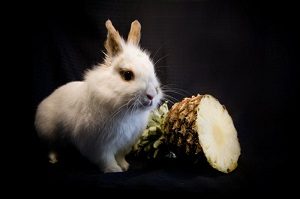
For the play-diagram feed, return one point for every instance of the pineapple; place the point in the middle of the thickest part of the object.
(152, 139)
(195, 126)
(202, 124)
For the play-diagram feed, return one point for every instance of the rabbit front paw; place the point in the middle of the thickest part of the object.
(112, 169)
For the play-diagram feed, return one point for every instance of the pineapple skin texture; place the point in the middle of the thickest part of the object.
(180, 126)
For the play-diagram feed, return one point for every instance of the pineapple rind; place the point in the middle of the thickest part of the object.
(180, 126)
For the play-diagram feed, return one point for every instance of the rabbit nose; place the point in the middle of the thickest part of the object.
(150, 93)
(150, 97)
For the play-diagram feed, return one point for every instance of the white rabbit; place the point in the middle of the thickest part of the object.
(105, 114)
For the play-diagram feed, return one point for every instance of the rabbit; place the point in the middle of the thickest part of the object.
(104, 115)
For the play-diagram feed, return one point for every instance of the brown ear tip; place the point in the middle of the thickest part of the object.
(136, 23)
(108, 23)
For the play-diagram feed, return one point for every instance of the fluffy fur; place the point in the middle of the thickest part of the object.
(104, 114)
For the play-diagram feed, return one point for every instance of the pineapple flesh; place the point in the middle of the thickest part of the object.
(217, 135)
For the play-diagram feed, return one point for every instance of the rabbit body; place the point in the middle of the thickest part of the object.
(104, 114)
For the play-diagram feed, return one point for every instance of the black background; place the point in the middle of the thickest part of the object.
(241, 52)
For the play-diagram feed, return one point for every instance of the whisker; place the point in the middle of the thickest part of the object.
(134, 104)
(170, 98)
(134, 107)
(112, 116)
(157, 51)
(171, 89)
(163, 57)
(107, 122)
(171, 93)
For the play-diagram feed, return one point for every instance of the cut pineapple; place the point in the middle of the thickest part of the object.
(195, 126)
(217, 135)
(201, 124)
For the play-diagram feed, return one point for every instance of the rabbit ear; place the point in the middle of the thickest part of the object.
(113, 41)
(134, 35)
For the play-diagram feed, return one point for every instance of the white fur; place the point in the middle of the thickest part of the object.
(104, 114)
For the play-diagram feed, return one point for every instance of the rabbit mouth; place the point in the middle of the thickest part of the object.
(145, 103)
(141, 102)
(148, 103)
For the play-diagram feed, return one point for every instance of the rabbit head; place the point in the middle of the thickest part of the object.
(127, 77)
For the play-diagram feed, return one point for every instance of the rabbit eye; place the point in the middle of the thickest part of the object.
(127, 75)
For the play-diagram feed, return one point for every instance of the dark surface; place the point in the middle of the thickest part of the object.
(241, 52)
